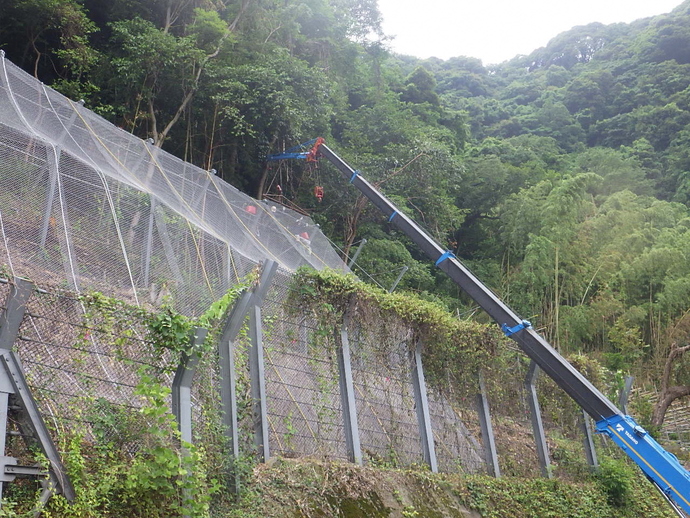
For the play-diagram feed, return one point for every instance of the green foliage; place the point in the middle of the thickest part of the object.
(164, 478)
(130, 461)
(447, 340)
(170, 329)
(616, 479)
(289, 488)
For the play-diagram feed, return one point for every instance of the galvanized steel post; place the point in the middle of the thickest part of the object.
(347, 393)
(256, 363)
(625, 394)
(491, 455)
(25, 412)
(426, 433)
(535, 415)
(182, 385)
(590, 451)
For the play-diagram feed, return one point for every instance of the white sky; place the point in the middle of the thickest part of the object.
(498, 30)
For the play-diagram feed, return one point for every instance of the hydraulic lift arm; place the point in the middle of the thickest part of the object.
(660, 466)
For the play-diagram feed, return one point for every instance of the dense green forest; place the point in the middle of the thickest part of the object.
(562, 178)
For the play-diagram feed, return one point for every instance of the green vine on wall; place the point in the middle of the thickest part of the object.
(448, 342)
(126, 461)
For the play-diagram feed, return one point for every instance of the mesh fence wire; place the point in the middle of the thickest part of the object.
(389, 432)
(83, 371)
(458, 449)
(84, 366)
(305, 413)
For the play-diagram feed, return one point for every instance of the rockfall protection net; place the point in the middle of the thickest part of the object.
(86, 203)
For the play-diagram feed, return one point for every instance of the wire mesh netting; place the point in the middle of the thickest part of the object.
(304, 407)
(389, 432)
(83, 369)
(87, 206)
(86, 203)
(457, 448)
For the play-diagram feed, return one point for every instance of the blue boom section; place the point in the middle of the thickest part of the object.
(659, 465)
(300, 151)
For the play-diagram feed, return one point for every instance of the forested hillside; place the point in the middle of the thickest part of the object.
(562, 178)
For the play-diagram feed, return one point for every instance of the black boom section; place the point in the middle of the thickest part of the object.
(551, 362)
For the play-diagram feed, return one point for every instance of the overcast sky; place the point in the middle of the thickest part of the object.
(498, 30)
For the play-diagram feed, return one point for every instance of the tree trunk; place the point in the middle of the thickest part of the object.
(352, 223)
(665, 400)
(669, 393)
(264, 172)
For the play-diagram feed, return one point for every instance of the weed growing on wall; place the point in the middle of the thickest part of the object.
(448, 342)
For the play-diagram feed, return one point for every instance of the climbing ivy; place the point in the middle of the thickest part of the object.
(130, 460)
(447, 341)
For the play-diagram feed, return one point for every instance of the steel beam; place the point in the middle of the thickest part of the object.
(31, 424)
(182, 385)
(50, 197)
(258, 384)
(590, 450)
(256, 363)
(15, 308)
(535, 346)
(537, 424)
(398, 279)
(625, 394)
(426, 433)
(16, 392)
(490, 452)
(228, 378)
(357, 252)
(148, 246)
(347, 393)
(226, 353)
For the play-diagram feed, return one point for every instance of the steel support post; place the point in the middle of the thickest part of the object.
(357, 252)
(347, 393)
(182, 385)
(256, 363)
(258, 384)
(226, 354)
(68, 257)
(53, 167)
(625, 394)
(16, 393)
(10, 322)
(399, 278)
(490, 453)
(228, 381)
(162, 228)
(50, 197)
(148, 247)
(535, 415)
(228, 267)
(590, 451)
(182, 393)
(15, 308)
(421, 401)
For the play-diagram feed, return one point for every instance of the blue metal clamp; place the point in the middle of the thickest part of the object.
(512, 330)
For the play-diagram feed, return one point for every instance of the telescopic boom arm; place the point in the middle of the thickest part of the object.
(660, 466)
